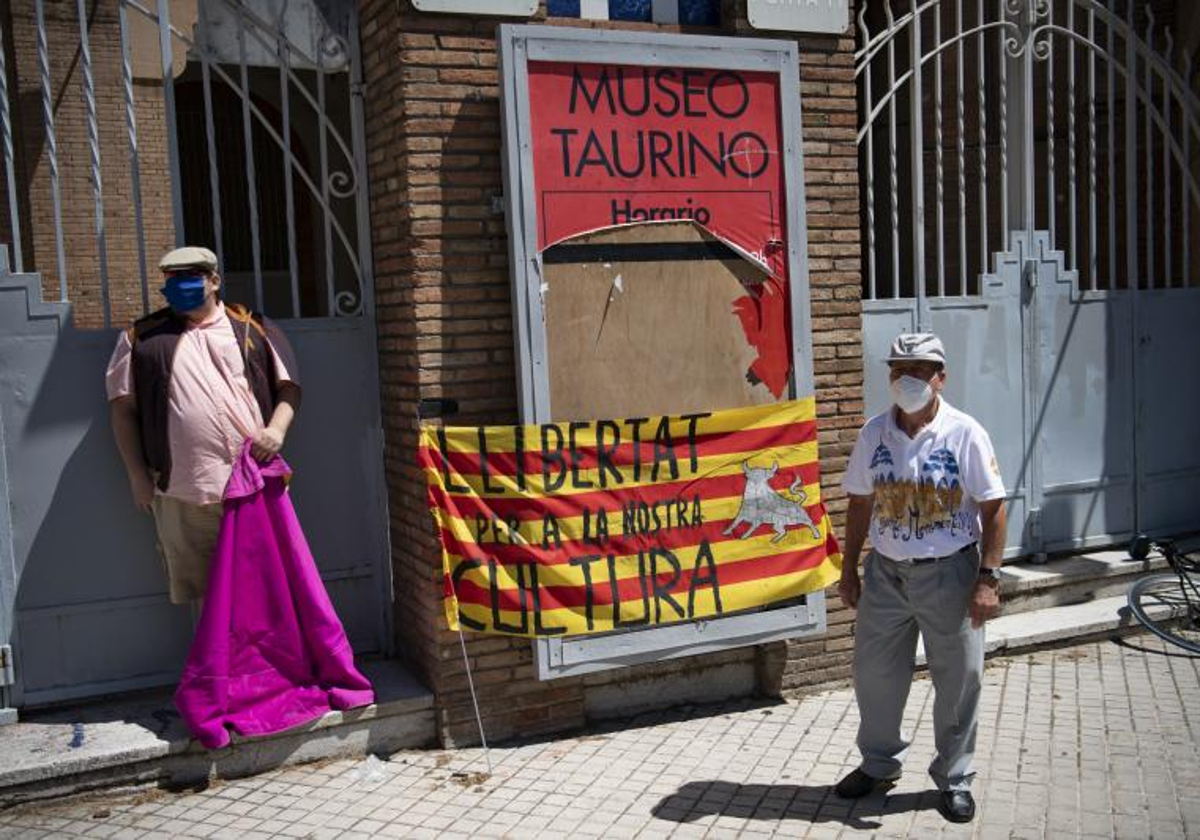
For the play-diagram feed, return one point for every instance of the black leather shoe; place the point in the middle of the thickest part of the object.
(958, 806)
(857, 785)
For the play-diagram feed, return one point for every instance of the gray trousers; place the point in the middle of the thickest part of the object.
(897, 600)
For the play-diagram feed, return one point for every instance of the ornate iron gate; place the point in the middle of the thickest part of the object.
(235, 124)
(1030, 193)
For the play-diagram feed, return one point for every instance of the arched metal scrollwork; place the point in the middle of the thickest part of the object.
(1106, 85)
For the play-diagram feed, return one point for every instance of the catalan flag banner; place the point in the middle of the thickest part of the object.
(587, 527)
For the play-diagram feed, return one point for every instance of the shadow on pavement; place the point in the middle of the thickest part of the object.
(1156, 646)
(813, 803)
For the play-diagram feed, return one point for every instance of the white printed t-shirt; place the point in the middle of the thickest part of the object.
(927, 489)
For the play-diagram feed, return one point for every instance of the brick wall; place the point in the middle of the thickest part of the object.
(75, 161)
(445, 325)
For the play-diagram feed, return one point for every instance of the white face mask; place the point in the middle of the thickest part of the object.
(910, 394)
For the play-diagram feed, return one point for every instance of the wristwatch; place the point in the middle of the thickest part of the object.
(989, 574)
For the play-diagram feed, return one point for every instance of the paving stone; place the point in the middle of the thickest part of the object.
(1090, 741)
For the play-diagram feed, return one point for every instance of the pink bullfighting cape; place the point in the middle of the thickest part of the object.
(270, 652)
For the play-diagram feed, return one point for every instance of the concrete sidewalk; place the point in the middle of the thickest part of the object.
(1099, 740)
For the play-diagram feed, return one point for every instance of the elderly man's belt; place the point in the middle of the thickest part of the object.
(924, 561)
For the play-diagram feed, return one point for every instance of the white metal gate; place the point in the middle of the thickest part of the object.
(1029, 192)
(239, 127)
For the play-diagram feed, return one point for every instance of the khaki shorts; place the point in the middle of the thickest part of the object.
(187, 537)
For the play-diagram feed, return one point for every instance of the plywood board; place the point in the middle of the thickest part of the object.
(644, 331)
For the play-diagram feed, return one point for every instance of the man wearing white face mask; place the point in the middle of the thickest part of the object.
(924, 483)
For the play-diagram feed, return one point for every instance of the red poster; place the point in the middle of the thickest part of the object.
(623, 144)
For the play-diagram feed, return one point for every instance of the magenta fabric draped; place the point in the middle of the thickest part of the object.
(269, 652)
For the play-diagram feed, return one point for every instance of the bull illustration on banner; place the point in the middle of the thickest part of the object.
(762, 505)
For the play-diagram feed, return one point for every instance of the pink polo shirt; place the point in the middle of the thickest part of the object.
(211, 409)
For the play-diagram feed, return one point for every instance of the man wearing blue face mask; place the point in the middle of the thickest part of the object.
(187, 386)
(923, 482)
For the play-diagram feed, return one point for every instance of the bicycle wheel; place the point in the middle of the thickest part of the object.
(1163, 607)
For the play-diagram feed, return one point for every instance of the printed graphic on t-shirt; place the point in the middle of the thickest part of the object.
(911, 510)
(881, 455)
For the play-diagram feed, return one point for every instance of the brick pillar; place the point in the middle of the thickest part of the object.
(445, 328)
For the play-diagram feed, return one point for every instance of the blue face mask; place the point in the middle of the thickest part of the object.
(184, 292)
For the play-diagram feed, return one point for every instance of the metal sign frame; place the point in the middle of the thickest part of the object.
(520, 44)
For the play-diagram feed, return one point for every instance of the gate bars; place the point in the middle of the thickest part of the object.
(1127, 134)
(337, 187)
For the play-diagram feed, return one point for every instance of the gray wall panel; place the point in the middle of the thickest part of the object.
(1084, 431)
(336, 448)
(1170, 505)
(1168, 358)
(1087, 422)
(77, 537)
(91, 613)
(352, 598)
(64, 654)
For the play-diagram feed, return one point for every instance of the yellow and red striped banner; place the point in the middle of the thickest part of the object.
(586, 527)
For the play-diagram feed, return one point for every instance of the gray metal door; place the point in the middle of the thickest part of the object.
(248, 141)
(1029, 193)
(1168, 455)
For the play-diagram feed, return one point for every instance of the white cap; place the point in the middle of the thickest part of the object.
(917, 347)
(189, 257)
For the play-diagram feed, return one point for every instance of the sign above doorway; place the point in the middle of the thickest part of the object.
(826, 16)
(497, 8)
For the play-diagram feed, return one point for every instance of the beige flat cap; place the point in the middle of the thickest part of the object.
(188, 257)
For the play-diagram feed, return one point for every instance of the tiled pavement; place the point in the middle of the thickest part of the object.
(1098, 740)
